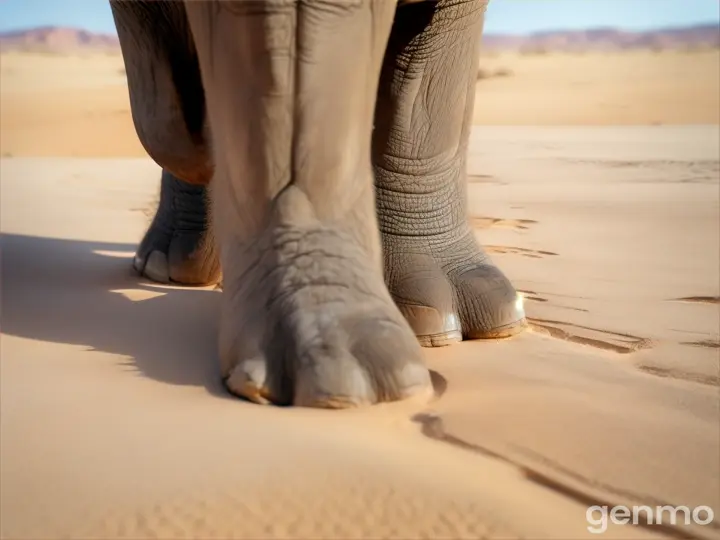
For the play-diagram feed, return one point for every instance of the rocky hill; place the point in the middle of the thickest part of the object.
(63, 40)
(57, 39)
(707, 35)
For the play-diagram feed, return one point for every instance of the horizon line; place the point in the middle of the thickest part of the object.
(489, 32)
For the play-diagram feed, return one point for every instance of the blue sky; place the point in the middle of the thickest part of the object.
(504, 16)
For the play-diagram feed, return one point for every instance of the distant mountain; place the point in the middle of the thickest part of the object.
(57, 39)
(705, 35)
(61, 40)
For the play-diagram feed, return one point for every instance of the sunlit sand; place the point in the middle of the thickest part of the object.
(115, 425)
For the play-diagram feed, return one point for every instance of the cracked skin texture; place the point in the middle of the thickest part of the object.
(316, 153)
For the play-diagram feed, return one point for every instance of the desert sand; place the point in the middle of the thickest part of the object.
(114, 424)
(78, 106)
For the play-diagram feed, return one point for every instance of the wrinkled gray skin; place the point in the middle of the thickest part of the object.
(335, 134)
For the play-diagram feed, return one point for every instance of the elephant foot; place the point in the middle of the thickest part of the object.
(449, 290)
(308, 321)
(178, 248)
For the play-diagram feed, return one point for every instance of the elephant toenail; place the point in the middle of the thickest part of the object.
(247, 380)
(156, 267)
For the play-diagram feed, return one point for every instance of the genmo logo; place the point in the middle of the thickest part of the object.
(599, 517)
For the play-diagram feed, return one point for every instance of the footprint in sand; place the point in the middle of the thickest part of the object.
(586, 335)
(604, 339)
(484, 179)
(701, 378)
(698, 299)
(524, 252)
(488, 222)
(707, 343)
(535, 297)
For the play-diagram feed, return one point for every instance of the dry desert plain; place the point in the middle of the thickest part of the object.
(593, 182)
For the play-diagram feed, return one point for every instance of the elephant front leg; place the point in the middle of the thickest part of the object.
(168, 108)
(439, 276)
(178, 247)
(306, 317)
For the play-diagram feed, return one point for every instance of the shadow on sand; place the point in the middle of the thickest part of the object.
(71, 291)
(62, 291)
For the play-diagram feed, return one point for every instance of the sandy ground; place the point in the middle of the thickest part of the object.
(113, 423)
(79, 106)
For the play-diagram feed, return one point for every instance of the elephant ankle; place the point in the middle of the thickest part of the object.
(430, 205)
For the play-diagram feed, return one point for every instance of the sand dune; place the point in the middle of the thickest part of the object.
(114, 424)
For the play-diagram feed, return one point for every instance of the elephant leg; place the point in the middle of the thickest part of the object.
(306, 317)
(168, 108)
(178, 246)
(437, 273)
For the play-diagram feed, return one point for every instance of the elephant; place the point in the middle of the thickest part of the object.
(313, 156)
